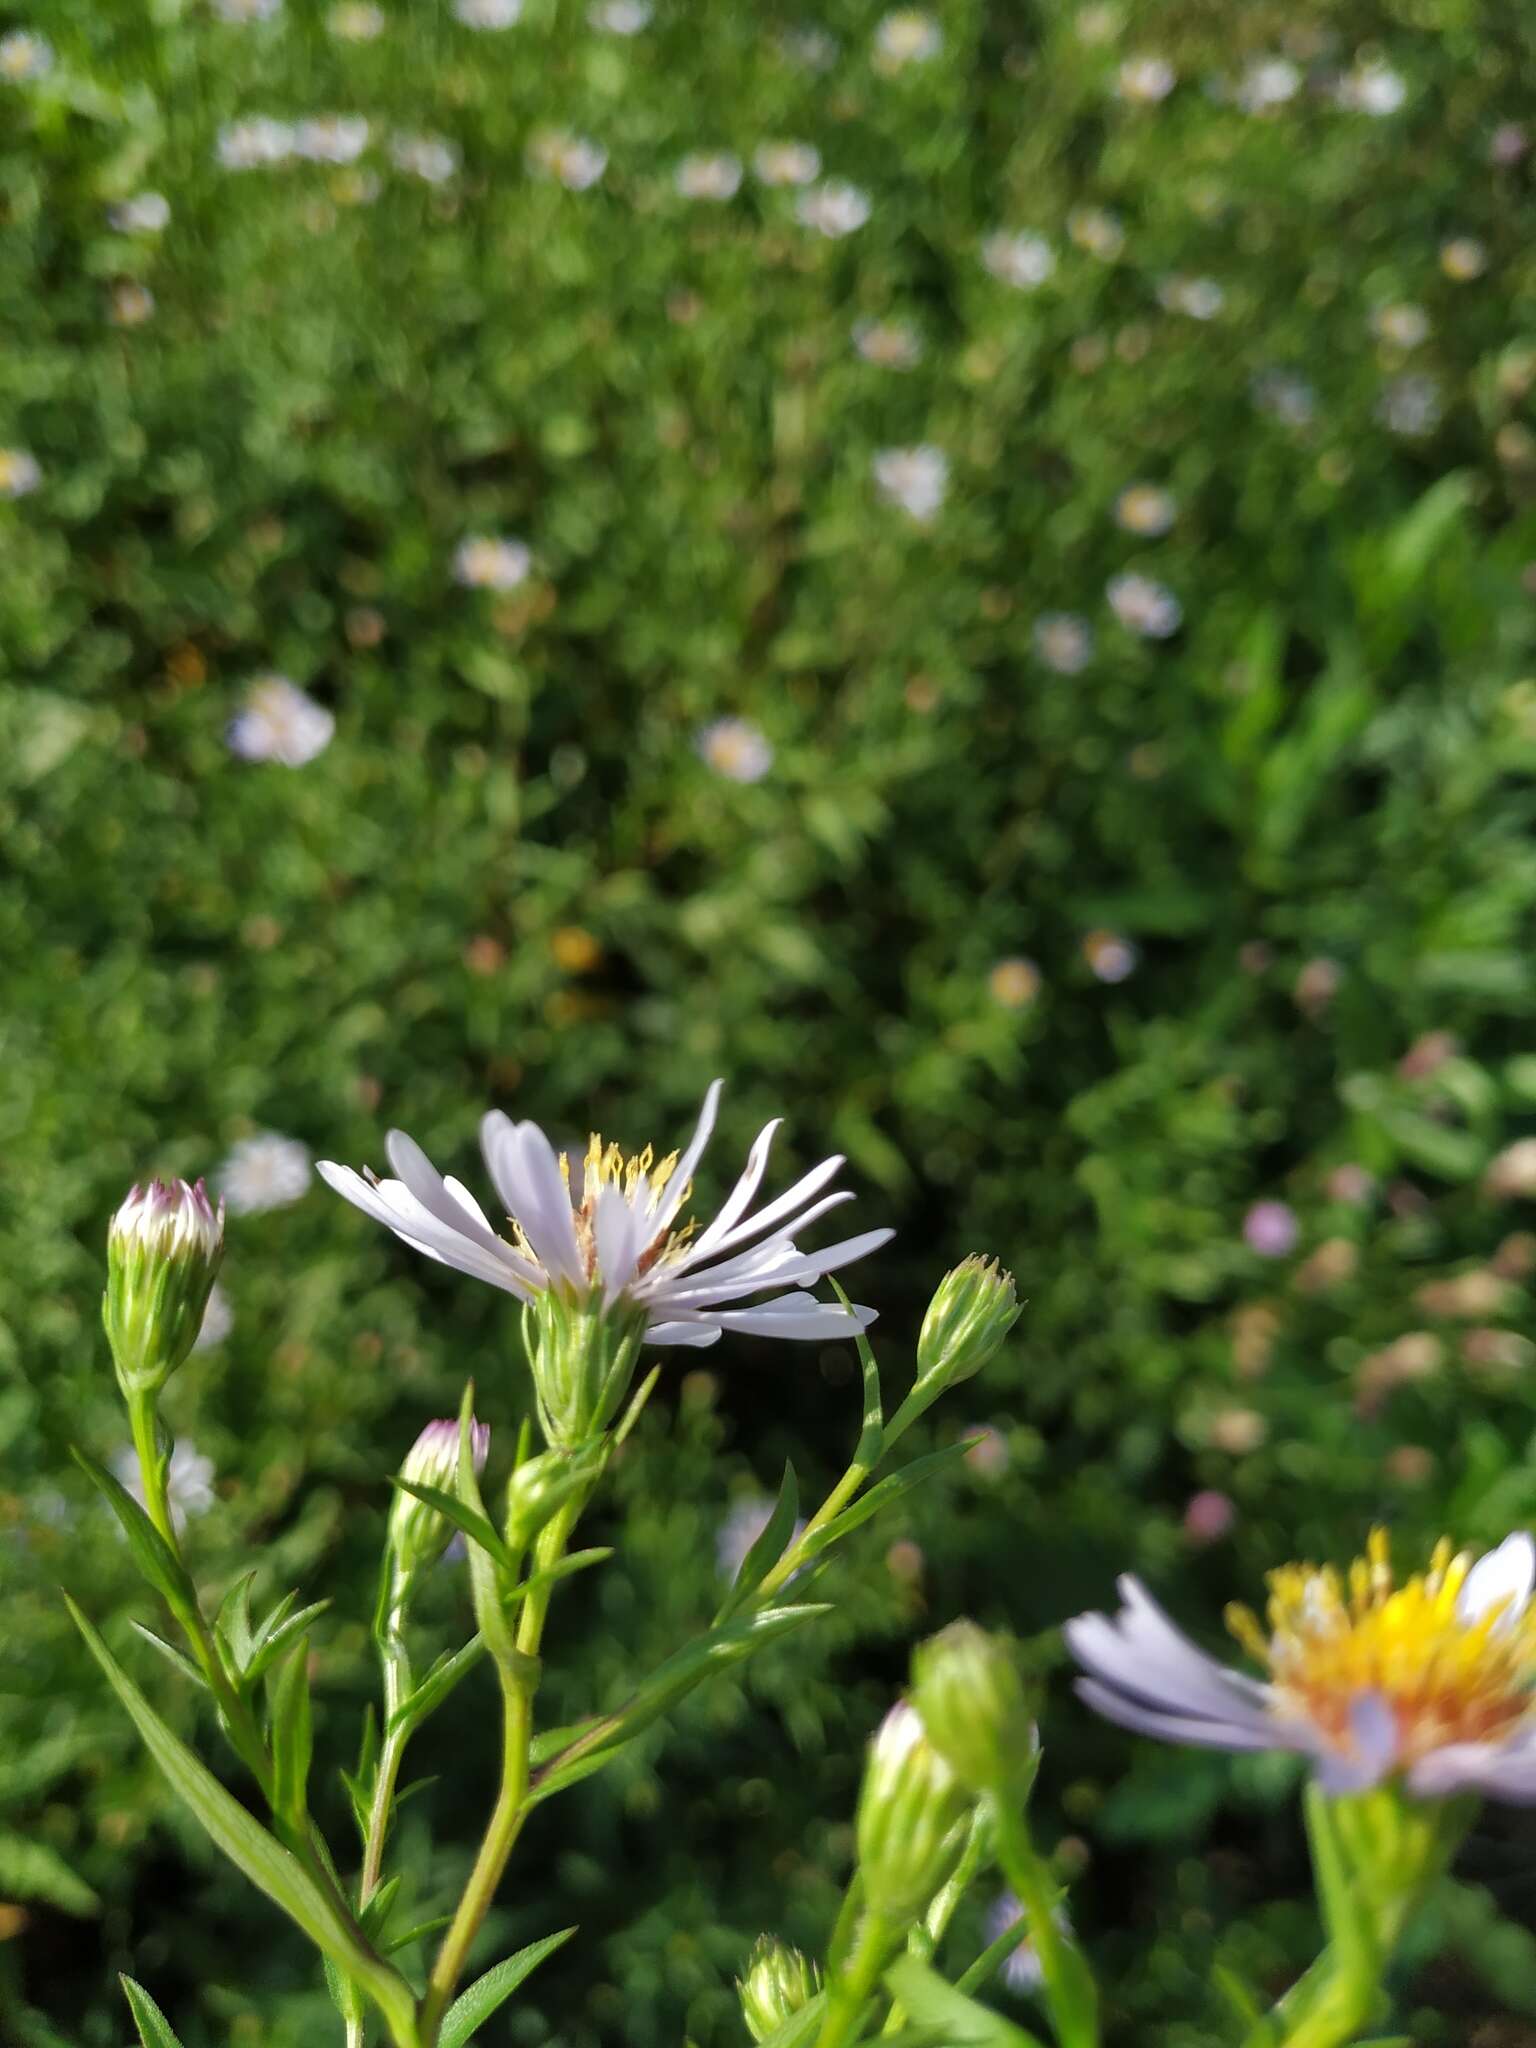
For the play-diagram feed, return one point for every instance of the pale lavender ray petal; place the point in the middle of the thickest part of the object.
(1507, 1574)
(621, 1234)
(695, 1334)
(498, 1143)
(1145, 1720)
(392, 1204)
(547, 1218)
(1146, 1621)
(677, 1187)
(1503, 1770)
(756, 1226)
(426, 1184)
(779, 1243)
(740, 1197)
(1164, 1671)
(1374, 1745)
(798, 1316)
(812, 1265)
(516, 1263)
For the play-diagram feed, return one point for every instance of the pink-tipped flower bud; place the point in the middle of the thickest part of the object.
(164, 1247)
(418, 1533)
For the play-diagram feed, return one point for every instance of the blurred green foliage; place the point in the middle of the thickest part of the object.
(1303, 822)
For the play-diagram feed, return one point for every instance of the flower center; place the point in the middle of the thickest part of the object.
(1447, 1676)
(643, 1179)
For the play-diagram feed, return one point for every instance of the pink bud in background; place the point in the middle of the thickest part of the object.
(1209, 1516)
(1271, 1229)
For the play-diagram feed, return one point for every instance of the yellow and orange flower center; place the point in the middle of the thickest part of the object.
(609, 1166)
(1334, 1636)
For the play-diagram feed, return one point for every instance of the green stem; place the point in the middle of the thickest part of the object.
(1069, 1989)
(851, 1990)
(1326, 2008)
(512, 1807)
(833, 1505)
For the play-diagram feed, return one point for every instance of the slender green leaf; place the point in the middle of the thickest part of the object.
(154, 2028)
(374, 1916)
(419, 1932)
(232, 1624)
(268, 1865)
(171, 1654)
(801, 2027)
(871, 1445)
(268, 1648)
(567, 1567)
(151, 1553)
(636, 1407)
(885, 1493)
(768, 1549)
(474, 2006)
(477, 1528)
(292, 1739)
(436, 1684)
(957, 2021)
(33, 1870)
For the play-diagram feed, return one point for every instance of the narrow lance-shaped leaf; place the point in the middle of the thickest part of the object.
(768, 1548)
(268, 1648)
(268, 1865)
(474, 2007)
(476, 1528)
(871, 1444)
(292, 1740)
(885, 1493)
(435, 1685)
(957, 2021)
(154, 2028)
(151, 1553)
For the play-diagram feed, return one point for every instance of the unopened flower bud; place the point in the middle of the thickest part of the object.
(970, 1315)
(908, 1827)
(164, 1246)
(779, 1983)
(971, 1699)
(582, 1356)
(419, 1534)
(540, 1487)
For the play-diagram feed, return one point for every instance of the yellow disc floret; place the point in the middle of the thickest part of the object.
(644, 1181)
(1448, 1676)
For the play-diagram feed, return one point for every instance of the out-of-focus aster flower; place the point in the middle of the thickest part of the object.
(1356, 1184)
(1145, 80)
(188, 1480)
(1285, 396)
(575, 160)
(1267, 83)
(892, 344)
(619, 17)
(743, 1522)
(424, 156)
(24, 56)
(267, 1171)
(242, 12)
(1063, 641)
(906, 37)
(280, 722)
(833, 208)
(19, 473)
(1463, 258)
(1020, 260)
(1021, 1972)
(488, 14)
(1410, 406)
(1400, 326)
(1199, 298)
(356, 21)
(491, 562)
(786, 163)
(1372, 88)
(809, 47)
(989, 1456)
(1271, 1229)
(1111, 956)
(916, 479)
(617, 1233)
(1144, 606)
(1507, 144)
(331, 138)
(1209, 1516)
(709, 176)
(1014, 983)
(131, 304)
(1100, 22)
(1429, 1682)
(146, 213)
(252, 144)
(218, 1320)
(1145, 509)
(736, 749)
(1097, 231)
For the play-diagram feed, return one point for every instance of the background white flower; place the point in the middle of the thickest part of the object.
(242, 11)
(424, 156)
(356, 21)
(267, 1171)
(1144, 605)
(488, 14)
(251, 145)
(331, 138)
(1372, 88)
(1022, 260)
(24, 55)
(619, 17)
(188, 1480)
(146, 213)
(736, 749)
(19, 473)
(280, 722)
(491, 562)
(786, 163)
(891, 343)
(1146, 80)
(1063, 641)
(916, 479)
(906, 37)
(702, 176)
(575, 160)
(834, 208)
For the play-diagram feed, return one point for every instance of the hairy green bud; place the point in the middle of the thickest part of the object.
(779, 1983)
(582, 1355)
(164, 1248)
(910, 1822)
(969, 1693)
(541, 1486)
(418, 1534)
(971, 1313)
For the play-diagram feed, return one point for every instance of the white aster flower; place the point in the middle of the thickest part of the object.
(1063, 641)
(331, 138)
(488, 14)
(1463, 258)
(424, 156)
(1268, 82)
(1285, 396)
(24, 56)
(575, 160)
(280, 723)
(786, 163)
(1410, 406)
(356, 21)
(188, 1481)
(242, 12)
(1023, 260)
(893, 344)
(809, 47)
(1145, 80)
(906, 37)
(1400, 326)
(617, 1237)
(833, 208)
(916, 479)
(1146, 510)
(251, 145)
(619, 17)
(1144, 605)
(1021, 1972)
(131, 304)
(1372, 88)
(1200, 298)
(736, 749)
(1429, 1681)
(267, 1171)
(491, 562)
(1098, 231)
(146, 213)
(703, 176)
(19, 473)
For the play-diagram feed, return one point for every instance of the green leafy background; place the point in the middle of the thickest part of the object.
(512, 878)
